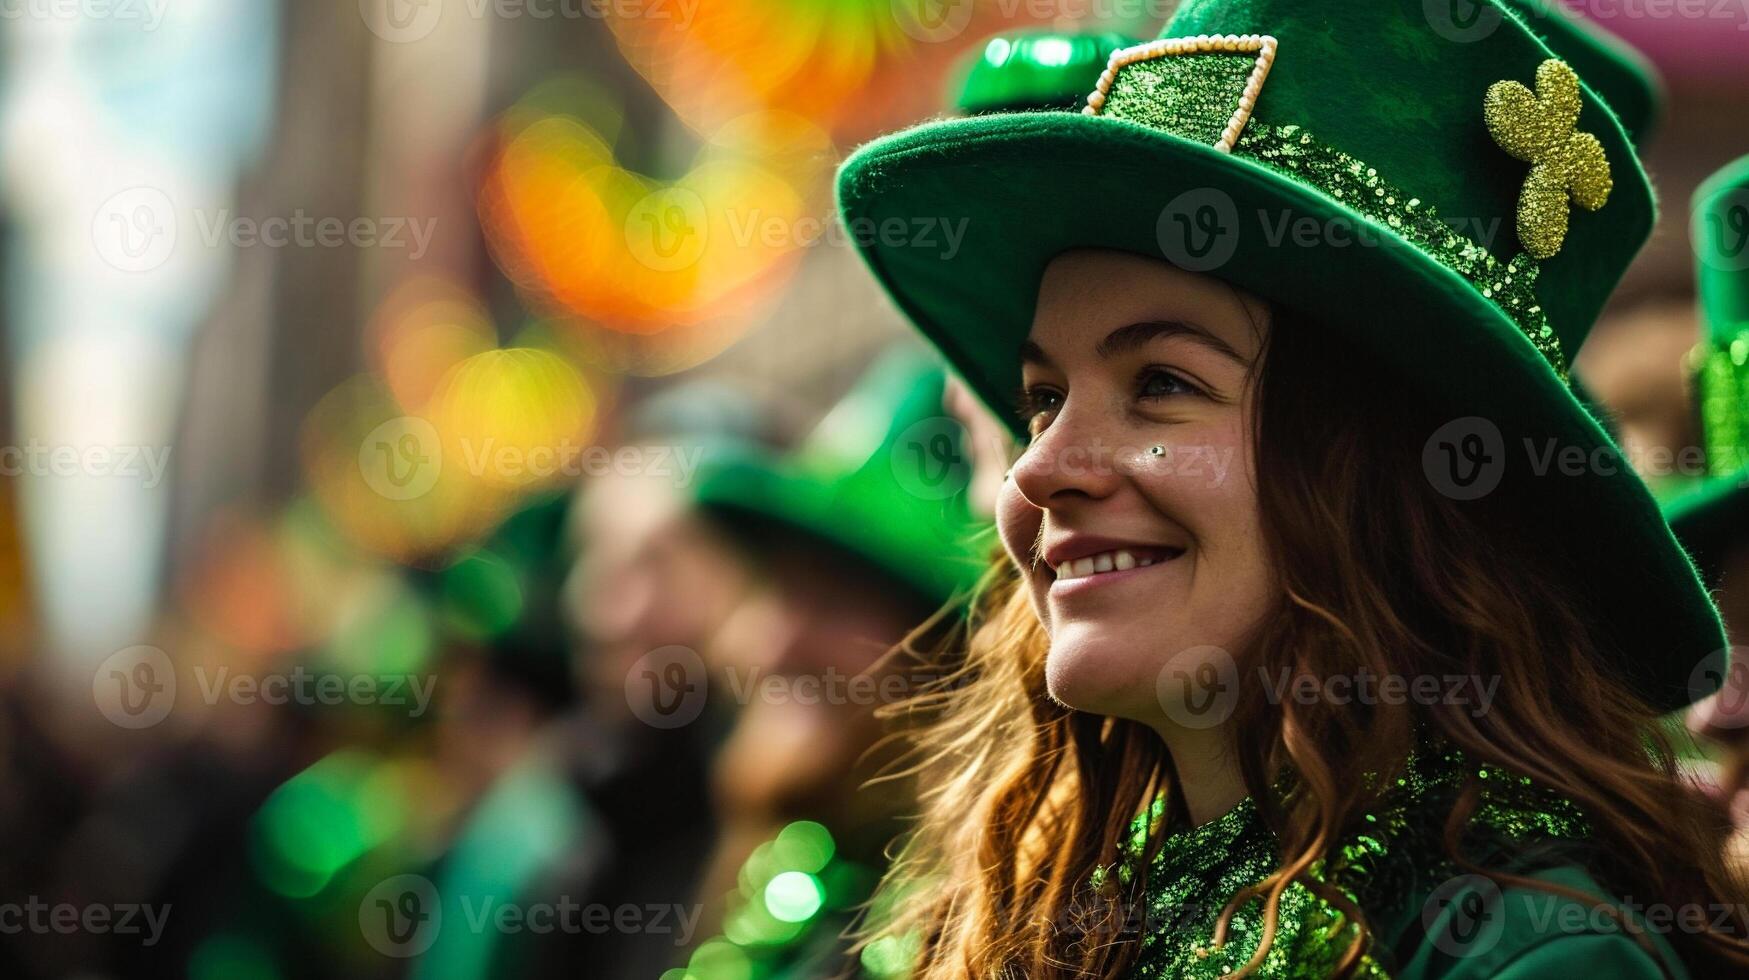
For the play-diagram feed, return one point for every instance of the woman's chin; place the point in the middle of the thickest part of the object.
(1100, 675)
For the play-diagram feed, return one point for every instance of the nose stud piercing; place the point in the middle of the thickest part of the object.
(1156, 450)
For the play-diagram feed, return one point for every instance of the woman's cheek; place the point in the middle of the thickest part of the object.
(1201, 464)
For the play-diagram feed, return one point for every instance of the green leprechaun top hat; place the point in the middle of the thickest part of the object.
(882, 478)
(1031, 70)
(1488, 203)
(1714, 516)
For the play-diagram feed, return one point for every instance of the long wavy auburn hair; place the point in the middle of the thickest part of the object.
(1023, 799)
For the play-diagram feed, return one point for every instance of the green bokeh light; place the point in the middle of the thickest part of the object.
(1052, 51)
(889, 956)
(719, 960)
(323, 819)
(390, 635)
(803, 846)
(794, 896)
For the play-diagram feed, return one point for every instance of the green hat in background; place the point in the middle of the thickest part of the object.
(882, 478)
(1367, 116)
(1624, 78)
(1714, 516)
(1015, 72)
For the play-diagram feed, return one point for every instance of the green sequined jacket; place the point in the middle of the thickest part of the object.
(1429, 919)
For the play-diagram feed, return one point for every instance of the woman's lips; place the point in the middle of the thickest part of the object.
(1109, 567)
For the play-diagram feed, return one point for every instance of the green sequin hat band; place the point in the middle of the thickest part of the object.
(1721, 389)
(1719, 223)
(1204, 88)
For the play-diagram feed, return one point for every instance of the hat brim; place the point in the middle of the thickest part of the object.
(845, 522)
(1710, 520)
(1024, 188)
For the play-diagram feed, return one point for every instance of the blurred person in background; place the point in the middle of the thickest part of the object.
(852, 540)
(1636, 369)
(1712, 518)
(647, 578)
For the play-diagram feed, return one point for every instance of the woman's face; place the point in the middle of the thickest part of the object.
(1139, 560)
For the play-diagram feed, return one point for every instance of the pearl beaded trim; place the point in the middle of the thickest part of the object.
(1263, 44)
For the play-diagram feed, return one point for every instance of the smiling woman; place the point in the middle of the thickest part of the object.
(1383, 699)
(1288, 724)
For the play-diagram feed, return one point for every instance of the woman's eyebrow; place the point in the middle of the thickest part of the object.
(1126, 339)
(1031, 353)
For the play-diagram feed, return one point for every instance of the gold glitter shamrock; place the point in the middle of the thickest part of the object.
(1538, 129)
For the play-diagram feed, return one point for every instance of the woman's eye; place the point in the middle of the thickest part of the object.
(1037, 402)
(1161, 383)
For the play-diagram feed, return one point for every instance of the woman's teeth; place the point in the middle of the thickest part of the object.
(1121, 560)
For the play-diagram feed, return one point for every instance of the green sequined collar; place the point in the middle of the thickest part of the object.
(1197, 870)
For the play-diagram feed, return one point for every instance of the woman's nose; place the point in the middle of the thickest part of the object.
(1072, 459)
